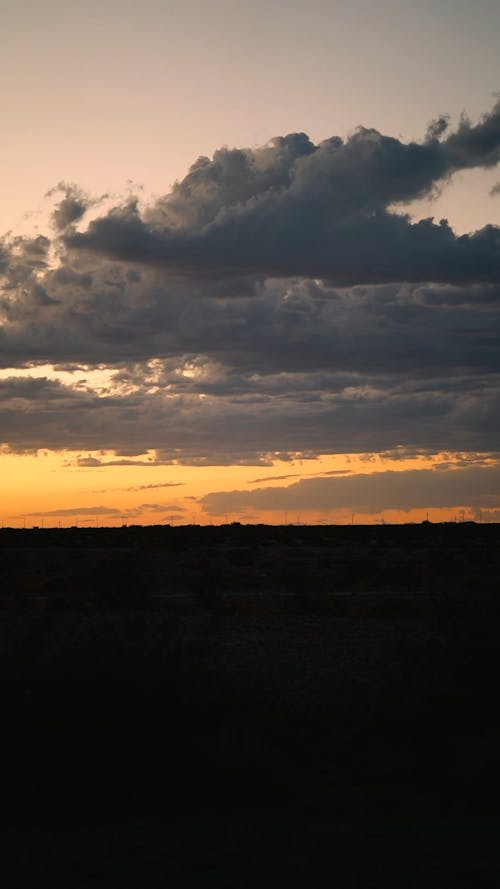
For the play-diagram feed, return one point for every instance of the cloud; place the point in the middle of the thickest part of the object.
(313, 414)
(72, 206)
(486, 515)
(333, 472)
(136, 488)
(437, 127)
(230, 321)
(160, 485)
(22, 262)
(159, 507)
(285, 325)
(89, 462)
(97, 463)
(273, 478)
(279, 478)
(74, 511)
(295, 208)
(95, 511)
(369, 493)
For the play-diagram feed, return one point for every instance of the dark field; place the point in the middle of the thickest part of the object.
(250, 706)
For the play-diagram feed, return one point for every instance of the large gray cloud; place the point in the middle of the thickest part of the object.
(252, 427)
(298, 366)
(220, 352)
(294, 208)
(110, 317)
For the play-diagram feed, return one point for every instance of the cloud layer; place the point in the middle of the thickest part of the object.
(274, 303)
(476, 486)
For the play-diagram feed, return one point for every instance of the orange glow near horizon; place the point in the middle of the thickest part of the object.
(50, 489)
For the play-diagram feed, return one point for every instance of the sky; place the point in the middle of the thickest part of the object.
(249, 261)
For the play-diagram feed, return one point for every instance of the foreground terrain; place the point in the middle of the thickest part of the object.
(247, 705)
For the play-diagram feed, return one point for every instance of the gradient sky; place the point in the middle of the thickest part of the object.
(269, 332)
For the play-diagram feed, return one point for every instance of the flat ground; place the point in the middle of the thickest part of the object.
(250, 706)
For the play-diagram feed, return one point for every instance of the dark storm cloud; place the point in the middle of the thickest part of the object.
(475, 146)
(300, 238)
(299, 367)
(294, 208)
(286, 326)
(427, 414)
(418, 488)
(217, 350)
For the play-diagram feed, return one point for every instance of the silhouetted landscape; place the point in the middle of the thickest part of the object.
(273, 696)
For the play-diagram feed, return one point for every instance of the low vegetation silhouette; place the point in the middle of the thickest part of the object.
(333, 672)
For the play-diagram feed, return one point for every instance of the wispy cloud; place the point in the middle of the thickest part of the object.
(136, 488)
(273, 478)
(97, 463)
(74, 511)
(160, 485)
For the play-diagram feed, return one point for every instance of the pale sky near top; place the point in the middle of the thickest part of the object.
(107, 91)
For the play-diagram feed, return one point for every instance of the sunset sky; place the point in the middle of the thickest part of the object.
(250, 261)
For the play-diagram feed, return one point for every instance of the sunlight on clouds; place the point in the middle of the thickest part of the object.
(97, 380)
